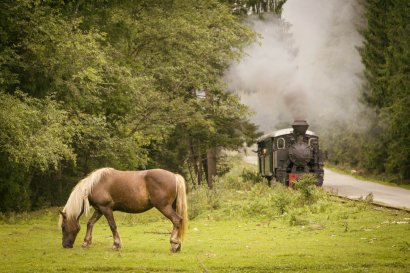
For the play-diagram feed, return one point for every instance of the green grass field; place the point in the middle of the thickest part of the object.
(238, 227)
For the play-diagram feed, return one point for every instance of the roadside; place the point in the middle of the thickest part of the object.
(353, 188)
(370, 178)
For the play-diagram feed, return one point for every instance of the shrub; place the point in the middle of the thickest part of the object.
(282, 199)
(240, 193)
(258, 201)
(306, 185)
(232, 181)
(251, 176)
(296, 220)
(203, 199)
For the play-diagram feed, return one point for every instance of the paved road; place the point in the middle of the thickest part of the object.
(347, 186)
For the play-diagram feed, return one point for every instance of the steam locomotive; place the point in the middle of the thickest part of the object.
(286, 154)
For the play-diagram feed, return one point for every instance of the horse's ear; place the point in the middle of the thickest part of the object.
(63, 214)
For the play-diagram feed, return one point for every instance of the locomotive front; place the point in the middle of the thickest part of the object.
(286, 154)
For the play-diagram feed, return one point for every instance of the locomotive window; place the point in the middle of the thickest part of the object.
(280, 143)
(312, 140)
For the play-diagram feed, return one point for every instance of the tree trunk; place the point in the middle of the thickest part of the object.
(200, 171)
(211, 160)
(204, 163)
(59, 180)
(196, 162)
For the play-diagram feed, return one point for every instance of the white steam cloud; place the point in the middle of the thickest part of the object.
(306, 65)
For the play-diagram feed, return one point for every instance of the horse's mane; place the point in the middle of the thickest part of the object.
(78, 200)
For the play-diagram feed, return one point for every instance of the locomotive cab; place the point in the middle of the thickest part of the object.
(285, 154)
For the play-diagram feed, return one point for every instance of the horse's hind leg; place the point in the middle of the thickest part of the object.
(88, 235)
(176, 220)
(107, 212)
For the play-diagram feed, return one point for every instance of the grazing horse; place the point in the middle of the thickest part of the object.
(108, 190)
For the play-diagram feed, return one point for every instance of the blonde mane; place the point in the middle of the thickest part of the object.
(78, 200)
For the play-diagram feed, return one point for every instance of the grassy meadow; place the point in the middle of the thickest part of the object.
(240, 226)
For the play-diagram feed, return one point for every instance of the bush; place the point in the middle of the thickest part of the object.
(306, 185)
(202, 199)
(251, 176)
(296, 220)
(258, 202)
(240, 194)
(282, 199)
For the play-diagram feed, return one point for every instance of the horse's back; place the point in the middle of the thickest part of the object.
(134, 191)
(159, 177)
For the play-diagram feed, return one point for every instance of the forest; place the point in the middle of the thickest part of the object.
(139, 84)
(383, 148)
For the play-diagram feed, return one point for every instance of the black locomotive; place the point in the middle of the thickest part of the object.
(286, 154)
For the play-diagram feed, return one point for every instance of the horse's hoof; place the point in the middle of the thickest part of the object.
(116, 247)
(176, 248)
(85, 245)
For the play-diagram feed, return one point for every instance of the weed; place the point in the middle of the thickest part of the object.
(306, 185)
(369, 198)
(346, 226)
(251, 176)
(282, 198)
(203, 199)
(404, 247)
(296, 220)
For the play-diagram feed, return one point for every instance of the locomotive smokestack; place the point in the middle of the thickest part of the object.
(300, 127)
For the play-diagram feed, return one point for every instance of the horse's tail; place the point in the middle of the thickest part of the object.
(78, 202)
(181, 206)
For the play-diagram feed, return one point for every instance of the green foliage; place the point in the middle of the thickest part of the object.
(307, 186)
(282, 199)
(374, 59)
(202, 199)
(378, 141)
(34, 133)
(257, 6)
(89, 84)
(386, 58)
(35, 136)
(14, 187)
(251, 176)
(235, 195)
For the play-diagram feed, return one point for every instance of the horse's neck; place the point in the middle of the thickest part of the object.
(76, 218)
(81, 213)
(73, 221)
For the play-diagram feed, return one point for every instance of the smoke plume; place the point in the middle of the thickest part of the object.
(306, 65)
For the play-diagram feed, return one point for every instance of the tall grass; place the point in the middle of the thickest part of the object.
(242, 194)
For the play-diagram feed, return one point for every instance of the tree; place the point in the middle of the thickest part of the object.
(112, 83)
(385, 55)
(35, 135)
(373, 52)
(185, 52)
(257, 6)
(396, 111)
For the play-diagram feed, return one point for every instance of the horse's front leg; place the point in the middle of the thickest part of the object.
(88, 235)
(107, 212)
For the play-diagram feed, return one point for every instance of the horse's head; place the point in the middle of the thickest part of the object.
(70, 228)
